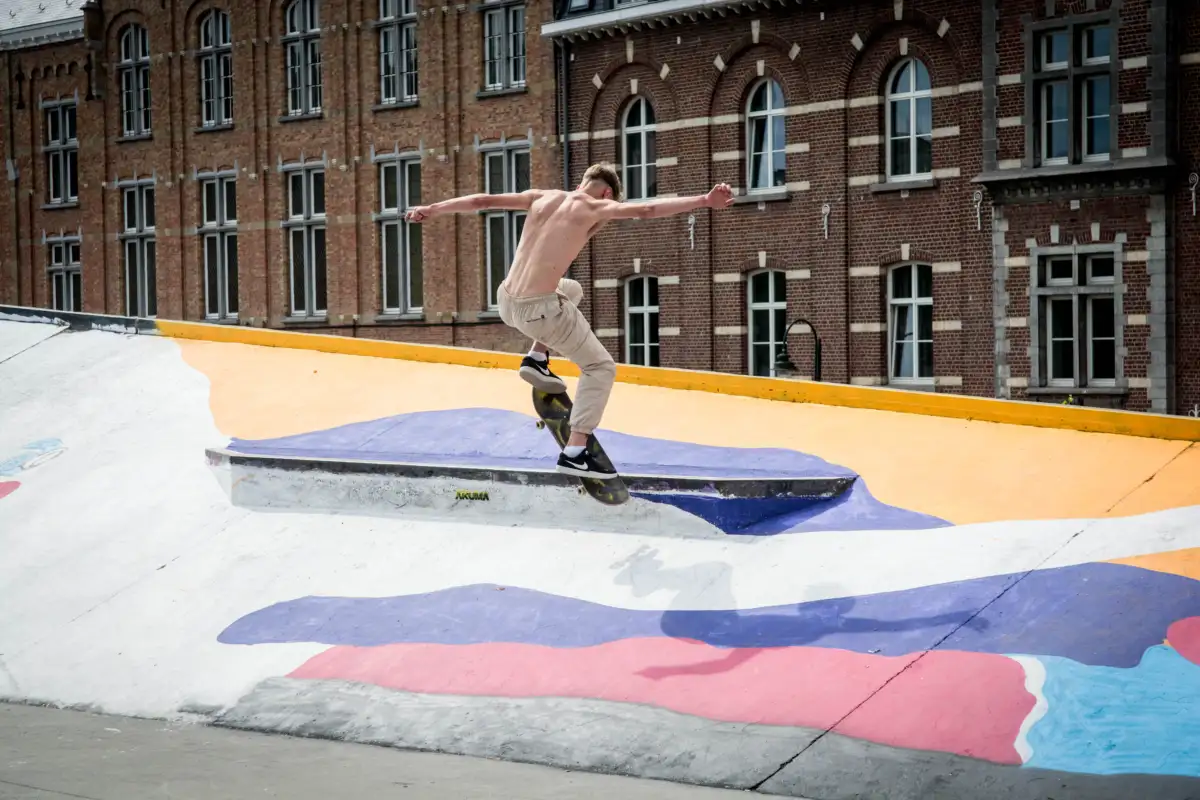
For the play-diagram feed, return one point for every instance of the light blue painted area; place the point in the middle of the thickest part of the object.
(1109, 721)
(30, 456)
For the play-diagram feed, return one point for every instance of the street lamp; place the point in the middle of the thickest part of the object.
(783, 363)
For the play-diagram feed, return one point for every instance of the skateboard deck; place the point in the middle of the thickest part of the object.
(555, 413)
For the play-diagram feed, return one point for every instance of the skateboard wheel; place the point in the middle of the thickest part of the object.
(541, 424)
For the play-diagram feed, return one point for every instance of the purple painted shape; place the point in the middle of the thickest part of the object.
(492, 437)
(1099, 614)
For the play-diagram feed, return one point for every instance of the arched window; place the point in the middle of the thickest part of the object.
(909, 122)
(910, 323)
(768, 320)
(638, 150)
(397, 51)
(766, 137)
(302, 42)
(641, 321)
(216, 69)
(133, 71)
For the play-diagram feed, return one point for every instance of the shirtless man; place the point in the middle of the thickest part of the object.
(537, 300)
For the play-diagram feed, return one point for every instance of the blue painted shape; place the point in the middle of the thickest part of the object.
(486, 437)
(31, 455)
(736, 514)
(1108, 721)
(1071, 612)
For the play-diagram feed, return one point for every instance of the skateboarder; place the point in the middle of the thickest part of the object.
(537, 300)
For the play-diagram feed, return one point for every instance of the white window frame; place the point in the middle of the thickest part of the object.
(1087, 119)
(646, 134)
(504, 48)
(772, 147)
(398, 175)
(133, 76)
(914, 304)
(215, 69)
(62, 152)
(912, 96)
(650, 315)
(1074, 74)
(398, 74)
(310, 222)
(139, 250)
(63, 267)
(1080, 290)
(1046, 121)
(218, 224)
(514, 220)
(303, 65)
(774, 305)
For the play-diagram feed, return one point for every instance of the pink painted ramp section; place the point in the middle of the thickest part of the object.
(1184, 636)
(965, 703)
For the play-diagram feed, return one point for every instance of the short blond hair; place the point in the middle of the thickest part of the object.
(608, 173)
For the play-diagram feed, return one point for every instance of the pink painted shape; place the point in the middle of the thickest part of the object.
(965, 703)
(1184, 636)
(7, 488)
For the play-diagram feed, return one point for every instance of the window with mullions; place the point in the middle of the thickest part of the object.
(910, 323)
(305, 228)
(400, 240)
(504, 48)
(133, 72)
(218, 232)
(1071, 93)
(766, 138)
(909, 122)
(66, 275)
(505, 171)
(1075, 297)
(397, 51)
(302, 45)
(638, 152)
(768, 320)
(641, 321)
(216, 69)
(139, 251)
(62, 155)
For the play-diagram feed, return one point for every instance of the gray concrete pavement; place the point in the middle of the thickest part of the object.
(50, 754)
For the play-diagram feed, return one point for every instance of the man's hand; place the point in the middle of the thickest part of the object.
(419, 213)
(721, 196)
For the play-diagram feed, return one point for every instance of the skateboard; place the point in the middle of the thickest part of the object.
(554, 411)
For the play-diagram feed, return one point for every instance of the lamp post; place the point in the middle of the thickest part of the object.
(783, 363)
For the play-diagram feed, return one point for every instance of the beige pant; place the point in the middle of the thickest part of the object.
(556, 321)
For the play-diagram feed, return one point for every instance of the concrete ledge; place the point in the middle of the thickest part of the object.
(1010, 412)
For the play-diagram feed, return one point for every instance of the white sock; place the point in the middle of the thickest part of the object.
(573, 450)
(537, 355)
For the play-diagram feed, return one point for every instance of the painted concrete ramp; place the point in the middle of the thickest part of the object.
(988, 611)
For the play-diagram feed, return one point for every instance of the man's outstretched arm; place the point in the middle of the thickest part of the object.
(721, 196)
(520, 201)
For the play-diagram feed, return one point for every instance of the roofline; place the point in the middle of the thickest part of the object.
(634, 16)
(41, 33)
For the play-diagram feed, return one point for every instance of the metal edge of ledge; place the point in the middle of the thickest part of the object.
(767, 488)
(80, 321)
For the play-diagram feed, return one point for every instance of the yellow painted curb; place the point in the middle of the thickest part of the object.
(984, 409)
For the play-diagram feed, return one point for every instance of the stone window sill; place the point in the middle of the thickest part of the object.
(302, 117)
(60, 206)
(912, 386)
(319, 322)
(488, 315)
(1084, 391)
(137, 137)
(386, 318)
(233, 321)
(225, 126)
(395, 106)
(776, 195)
(484, 94)
(903, 186)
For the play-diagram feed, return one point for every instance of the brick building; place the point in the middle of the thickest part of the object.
(193, 160)
(988, 198)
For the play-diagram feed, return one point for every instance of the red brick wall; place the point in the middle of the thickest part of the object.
(1187, 227)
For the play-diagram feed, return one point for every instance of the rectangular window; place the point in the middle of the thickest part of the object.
(504, 48)
(62, 155)
(1076, 300)
(139, 251)
(641, 321)
(216, 69)
(133, 75)
(505, 171)
(768, 320)
(66, 275)
(400, 240)
(1072, 86)
(910, 323)
(306, 242)
(397, 52)
(304, 71)
(218, 232)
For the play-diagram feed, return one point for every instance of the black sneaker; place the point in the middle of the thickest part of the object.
(583, 466)
(538, 374)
